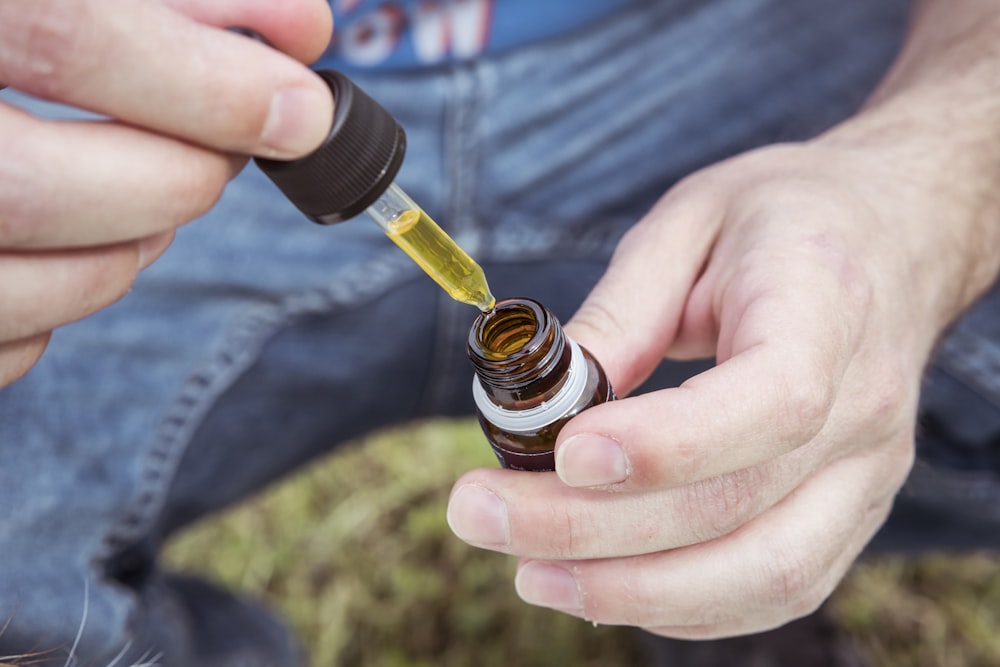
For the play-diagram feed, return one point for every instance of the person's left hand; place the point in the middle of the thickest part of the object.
(180, 102)
(819, 277)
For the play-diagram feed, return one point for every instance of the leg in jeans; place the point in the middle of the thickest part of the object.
(260, 341)
(94, 437)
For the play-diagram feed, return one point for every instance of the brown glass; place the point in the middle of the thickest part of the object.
(522, 357)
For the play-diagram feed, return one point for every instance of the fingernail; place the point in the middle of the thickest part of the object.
(297, 122)
(479, 516)
(591, 460)
(548, 586)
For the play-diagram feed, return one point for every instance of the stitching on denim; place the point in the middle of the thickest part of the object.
(238, 352)
(461, 155)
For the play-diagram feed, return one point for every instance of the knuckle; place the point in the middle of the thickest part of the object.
(51, 44)
(805, 408)
(634, 602)
(97, 283)
(93, 280)
(719, 505)
(787, 579)
(574, 542)
(21, 202)
(891, 397)
(13, 231)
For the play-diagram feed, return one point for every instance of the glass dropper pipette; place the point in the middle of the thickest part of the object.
(353, 172)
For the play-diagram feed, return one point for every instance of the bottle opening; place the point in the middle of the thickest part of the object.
(507, 329)
(517, 343)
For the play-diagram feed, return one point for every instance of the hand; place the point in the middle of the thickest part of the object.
(84, 205)
(819, 275)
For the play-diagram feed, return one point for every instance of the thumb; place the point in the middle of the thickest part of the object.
(631, 317)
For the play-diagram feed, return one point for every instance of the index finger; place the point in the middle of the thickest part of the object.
(771, 396)
(151, 65)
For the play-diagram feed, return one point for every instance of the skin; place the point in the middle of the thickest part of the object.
(820, 275)
(85, 205)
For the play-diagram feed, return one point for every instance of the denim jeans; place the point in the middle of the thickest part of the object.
(260, 341)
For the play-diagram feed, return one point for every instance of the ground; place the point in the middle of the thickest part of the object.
(355, 552)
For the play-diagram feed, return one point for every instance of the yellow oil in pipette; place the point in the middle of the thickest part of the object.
(354, 172)
(440, 257)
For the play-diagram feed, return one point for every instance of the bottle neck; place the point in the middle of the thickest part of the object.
(540, 415)
(520, 354)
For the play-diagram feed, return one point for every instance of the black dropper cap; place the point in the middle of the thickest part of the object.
(351, 169)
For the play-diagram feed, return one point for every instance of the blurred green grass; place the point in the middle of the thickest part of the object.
(355, 552)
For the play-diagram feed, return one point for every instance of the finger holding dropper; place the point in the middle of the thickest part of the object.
(353, 172)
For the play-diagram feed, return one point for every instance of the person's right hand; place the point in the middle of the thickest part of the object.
(85, 205)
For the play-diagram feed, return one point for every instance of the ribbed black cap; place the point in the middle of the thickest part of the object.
(354, 166)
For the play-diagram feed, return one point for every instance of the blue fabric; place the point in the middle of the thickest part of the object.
(408, 33)
(260, 340)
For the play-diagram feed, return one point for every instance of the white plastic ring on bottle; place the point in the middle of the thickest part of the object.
(533, 419)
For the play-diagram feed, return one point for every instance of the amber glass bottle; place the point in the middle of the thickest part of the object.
(531, 378)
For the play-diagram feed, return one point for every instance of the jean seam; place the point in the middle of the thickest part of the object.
(461, 146)
(239, 350)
